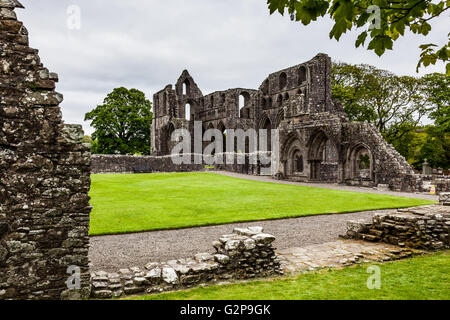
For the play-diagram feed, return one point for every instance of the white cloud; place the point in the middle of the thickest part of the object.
(146, 44)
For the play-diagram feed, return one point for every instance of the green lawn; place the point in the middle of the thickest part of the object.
(140, 202)
(418, 278)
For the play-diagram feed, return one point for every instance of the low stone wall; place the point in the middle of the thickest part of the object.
(138, 164)
(149, 164)
(425, 228)
(442, 185)
(245, 254)
(444, 199)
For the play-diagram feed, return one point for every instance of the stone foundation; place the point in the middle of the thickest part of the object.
(424, 228)
(245, 254)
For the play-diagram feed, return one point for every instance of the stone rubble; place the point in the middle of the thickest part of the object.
(424, 228)
(246, 253)
(444, 199)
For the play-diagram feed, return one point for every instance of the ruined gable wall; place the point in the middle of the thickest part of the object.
(44, 176)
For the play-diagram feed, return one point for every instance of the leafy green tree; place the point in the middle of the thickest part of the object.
(436, 149)
(436, 87)
(394, 104)
(384, 21)
(397, 105)
(122, 123)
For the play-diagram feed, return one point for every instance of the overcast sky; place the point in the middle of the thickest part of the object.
(146, 44)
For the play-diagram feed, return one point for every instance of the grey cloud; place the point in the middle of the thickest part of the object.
(146, 44)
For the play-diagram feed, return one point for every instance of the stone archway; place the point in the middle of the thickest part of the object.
(323, 158)
(167, 144)
(359, 163)
(293, 158)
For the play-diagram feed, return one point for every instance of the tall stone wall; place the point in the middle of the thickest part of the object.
(44, 177)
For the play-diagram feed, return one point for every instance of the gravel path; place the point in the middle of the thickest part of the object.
(111, 253)
(424, 196)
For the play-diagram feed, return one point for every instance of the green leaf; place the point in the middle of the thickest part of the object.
(361, 39)
(380, 44)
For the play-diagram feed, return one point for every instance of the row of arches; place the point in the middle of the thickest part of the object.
(283, 81)
(321, 159)
(244, 102)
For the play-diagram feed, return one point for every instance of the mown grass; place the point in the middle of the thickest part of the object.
(126, 203)
(419, 278)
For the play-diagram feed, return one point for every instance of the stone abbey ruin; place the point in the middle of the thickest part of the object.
(317, 141)
(45, 173)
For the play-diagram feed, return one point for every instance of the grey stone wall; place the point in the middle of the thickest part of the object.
(442, 185)
(44, 176)
(153, 164)
(419, 228)
(138, 164)
(244, 254)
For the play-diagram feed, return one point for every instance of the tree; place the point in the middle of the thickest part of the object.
(122, 123)
(436, 87)
(394, 104)
(386, 21)
(436, 149)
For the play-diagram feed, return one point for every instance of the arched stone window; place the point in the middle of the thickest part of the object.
(301, 75)
(279, 100)
(362, 163)
(263, 103)
(188, 112)
(268, 127)
(186, 87)
(299, 165)
(283, 81)
(265, 87)
(244, 101)
(167, 144)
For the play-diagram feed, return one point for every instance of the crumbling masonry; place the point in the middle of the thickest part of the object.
(317, 141)
(44, 178)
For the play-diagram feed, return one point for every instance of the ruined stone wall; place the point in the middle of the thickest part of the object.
(442, 185)
(44, 176)
(419, 228)
(317, 140)
(245, 254)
